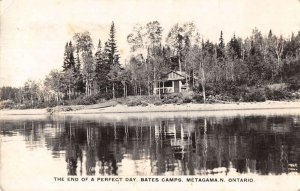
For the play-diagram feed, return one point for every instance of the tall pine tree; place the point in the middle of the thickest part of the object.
(102, 68)
(221, 48)
(234, 47)
(69, 60)
(113, 55)
(69, 70)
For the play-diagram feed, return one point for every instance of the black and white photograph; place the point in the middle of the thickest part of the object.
(144, 95)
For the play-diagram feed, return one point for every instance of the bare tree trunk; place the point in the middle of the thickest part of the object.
(140, 90)
(278, 50)
(91, 88)
(124, 89)
(203, 83)
(134, 89)
(185, 71)
(73, 92)
(86, 87)
(148, 84)
(31, 98)
(158, 88)
(149, 90)
(179, 62)
(242, 51)
(114, 91)
(193, 75)
(278, 61)
(69, 92)
(226, 72)
(232, 70)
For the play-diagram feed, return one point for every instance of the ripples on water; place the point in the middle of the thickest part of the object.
(94, 145)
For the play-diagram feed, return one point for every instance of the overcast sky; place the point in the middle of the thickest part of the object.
(34, 32)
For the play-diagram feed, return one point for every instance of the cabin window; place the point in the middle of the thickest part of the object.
(167, 84)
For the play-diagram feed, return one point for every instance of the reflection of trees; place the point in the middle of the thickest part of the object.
(204, 146)
(175, 146)
(73, 150)
(90, 151)
(201, 146)
(105, 150)
(247, 147)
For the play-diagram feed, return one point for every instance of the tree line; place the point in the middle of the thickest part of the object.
(214, 68)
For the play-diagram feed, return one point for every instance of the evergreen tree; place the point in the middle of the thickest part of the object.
(66, 63)
(234, 48)
(71, 56)
(69, 69)
(77, 63)
(113, 56)
(102, 67)
(270, 35)
(221, 48)
(111, 60)
(69, 61)
(98, 54)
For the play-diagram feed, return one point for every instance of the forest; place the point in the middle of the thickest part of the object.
(257, 68)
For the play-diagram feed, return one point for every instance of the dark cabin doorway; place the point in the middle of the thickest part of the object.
(176, 86)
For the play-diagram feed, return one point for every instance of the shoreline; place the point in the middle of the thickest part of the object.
(93, 109)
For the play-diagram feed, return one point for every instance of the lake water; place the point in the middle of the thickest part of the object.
(151, 144)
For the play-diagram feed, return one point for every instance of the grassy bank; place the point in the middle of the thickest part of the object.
(191, 107)
(114, 107)
(259, 98)
(218, 94)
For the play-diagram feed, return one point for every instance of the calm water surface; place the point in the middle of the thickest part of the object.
(152, 145)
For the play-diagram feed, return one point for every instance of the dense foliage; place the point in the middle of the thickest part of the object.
(256, 68)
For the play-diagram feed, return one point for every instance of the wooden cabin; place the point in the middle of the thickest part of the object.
(172, 82)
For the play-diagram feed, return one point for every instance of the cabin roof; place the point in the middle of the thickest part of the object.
(177, 75)
(177, 72)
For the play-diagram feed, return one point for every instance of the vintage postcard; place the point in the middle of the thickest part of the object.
(150, 95)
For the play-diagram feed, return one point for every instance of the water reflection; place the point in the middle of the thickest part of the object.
(165, 146)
